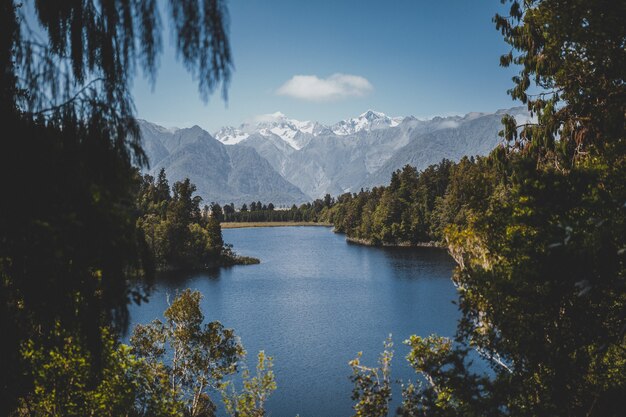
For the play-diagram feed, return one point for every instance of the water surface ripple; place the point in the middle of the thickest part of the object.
(314, 302)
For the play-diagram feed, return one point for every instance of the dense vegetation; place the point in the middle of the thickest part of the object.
(69, 245)
(542, 289)
(143, 378)
(541, 238)
(258, 212)
(538, 228)
(413, 209)
(178, 234)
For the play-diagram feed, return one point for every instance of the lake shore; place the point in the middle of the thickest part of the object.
(239, 225)
(366, 242)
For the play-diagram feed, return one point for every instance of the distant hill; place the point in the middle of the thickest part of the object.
(287, 161)
(222, 173)
(365, 150)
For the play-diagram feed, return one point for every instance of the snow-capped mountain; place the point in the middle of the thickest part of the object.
(221, 173)
(296, 133)
(363, 151)
(370, 120)
(300, 158)
(230, 135)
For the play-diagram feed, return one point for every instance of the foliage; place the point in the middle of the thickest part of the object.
(372, 386)
(87, 53)
(63, 384)
(538, 231)
(541, 254)
(69, 249)
(574, 53)
(169, 370)
(416, 206)
(315, 211)
(256, 390)
(199, 355)
(542, 288)
(178, 234)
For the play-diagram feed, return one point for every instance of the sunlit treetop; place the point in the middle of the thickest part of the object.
(574, 52)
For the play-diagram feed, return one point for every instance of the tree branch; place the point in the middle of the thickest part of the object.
(68, 101)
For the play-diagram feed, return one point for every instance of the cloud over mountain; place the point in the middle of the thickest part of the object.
(286, 161)
(363, 151)
(335, 87)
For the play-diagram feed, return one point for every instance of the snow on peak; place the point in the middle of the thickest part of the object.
(230, 135)
(296, 133)
(371, 114)
(370, 120)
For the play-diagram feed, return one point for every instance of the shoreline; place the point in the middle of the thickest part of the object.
(365, 242)
(241, 225)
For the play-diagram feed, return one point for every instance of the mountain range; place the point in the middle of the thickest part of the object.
(286, 161)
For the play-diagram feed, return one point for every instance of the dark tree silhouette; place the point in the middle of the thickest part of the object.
(69, 247)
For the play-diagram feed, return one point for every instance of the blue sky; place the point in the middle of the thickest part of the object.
(421, 58)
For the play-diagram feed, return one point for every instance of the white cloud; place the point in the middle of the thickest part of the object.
(272, 117)
(335, 87)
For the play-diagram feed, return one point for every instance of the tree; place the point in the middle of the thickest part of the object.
(201, 354)
(128, 385)
(229, 209)
(574, 53)
(169, 370)
(541, 249)
(65, 87)
(177, 234)
(216, 212)
(162, 187)
(372, 386)
(256, 390)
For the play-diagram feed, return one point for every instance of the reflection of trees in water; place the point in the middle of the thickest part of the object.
(179, 279)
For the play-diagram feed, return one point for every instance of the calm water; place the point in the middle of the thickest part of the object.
(314, 302)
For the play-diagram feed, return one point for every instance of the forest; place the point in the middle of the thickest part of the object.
(258, 212)
(537, 228)
(415, 208)
(177, 232)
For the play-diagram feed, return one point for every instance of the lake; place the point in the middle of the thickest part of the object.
(314, 302)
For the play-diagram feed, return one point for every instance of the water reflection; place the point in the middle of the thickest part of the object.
(314, 302)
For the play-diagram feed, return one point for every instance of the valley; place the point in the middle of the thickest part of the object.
(287, 161)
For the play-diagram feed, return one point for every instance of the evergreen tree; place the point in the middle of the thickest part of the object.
(162, 187)
(65, 87)
(540, 249)
(217, 212)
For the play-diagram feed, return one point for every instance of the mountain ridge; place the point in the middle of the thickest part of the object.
(221, 173)
(304, 160)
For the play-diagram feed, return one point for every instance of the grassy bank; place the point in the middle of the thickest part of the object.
(238, 225)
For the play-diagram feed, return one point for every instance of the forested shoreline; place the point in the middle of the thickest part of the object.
(537, 228)
(179, 234)
(413, 210)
